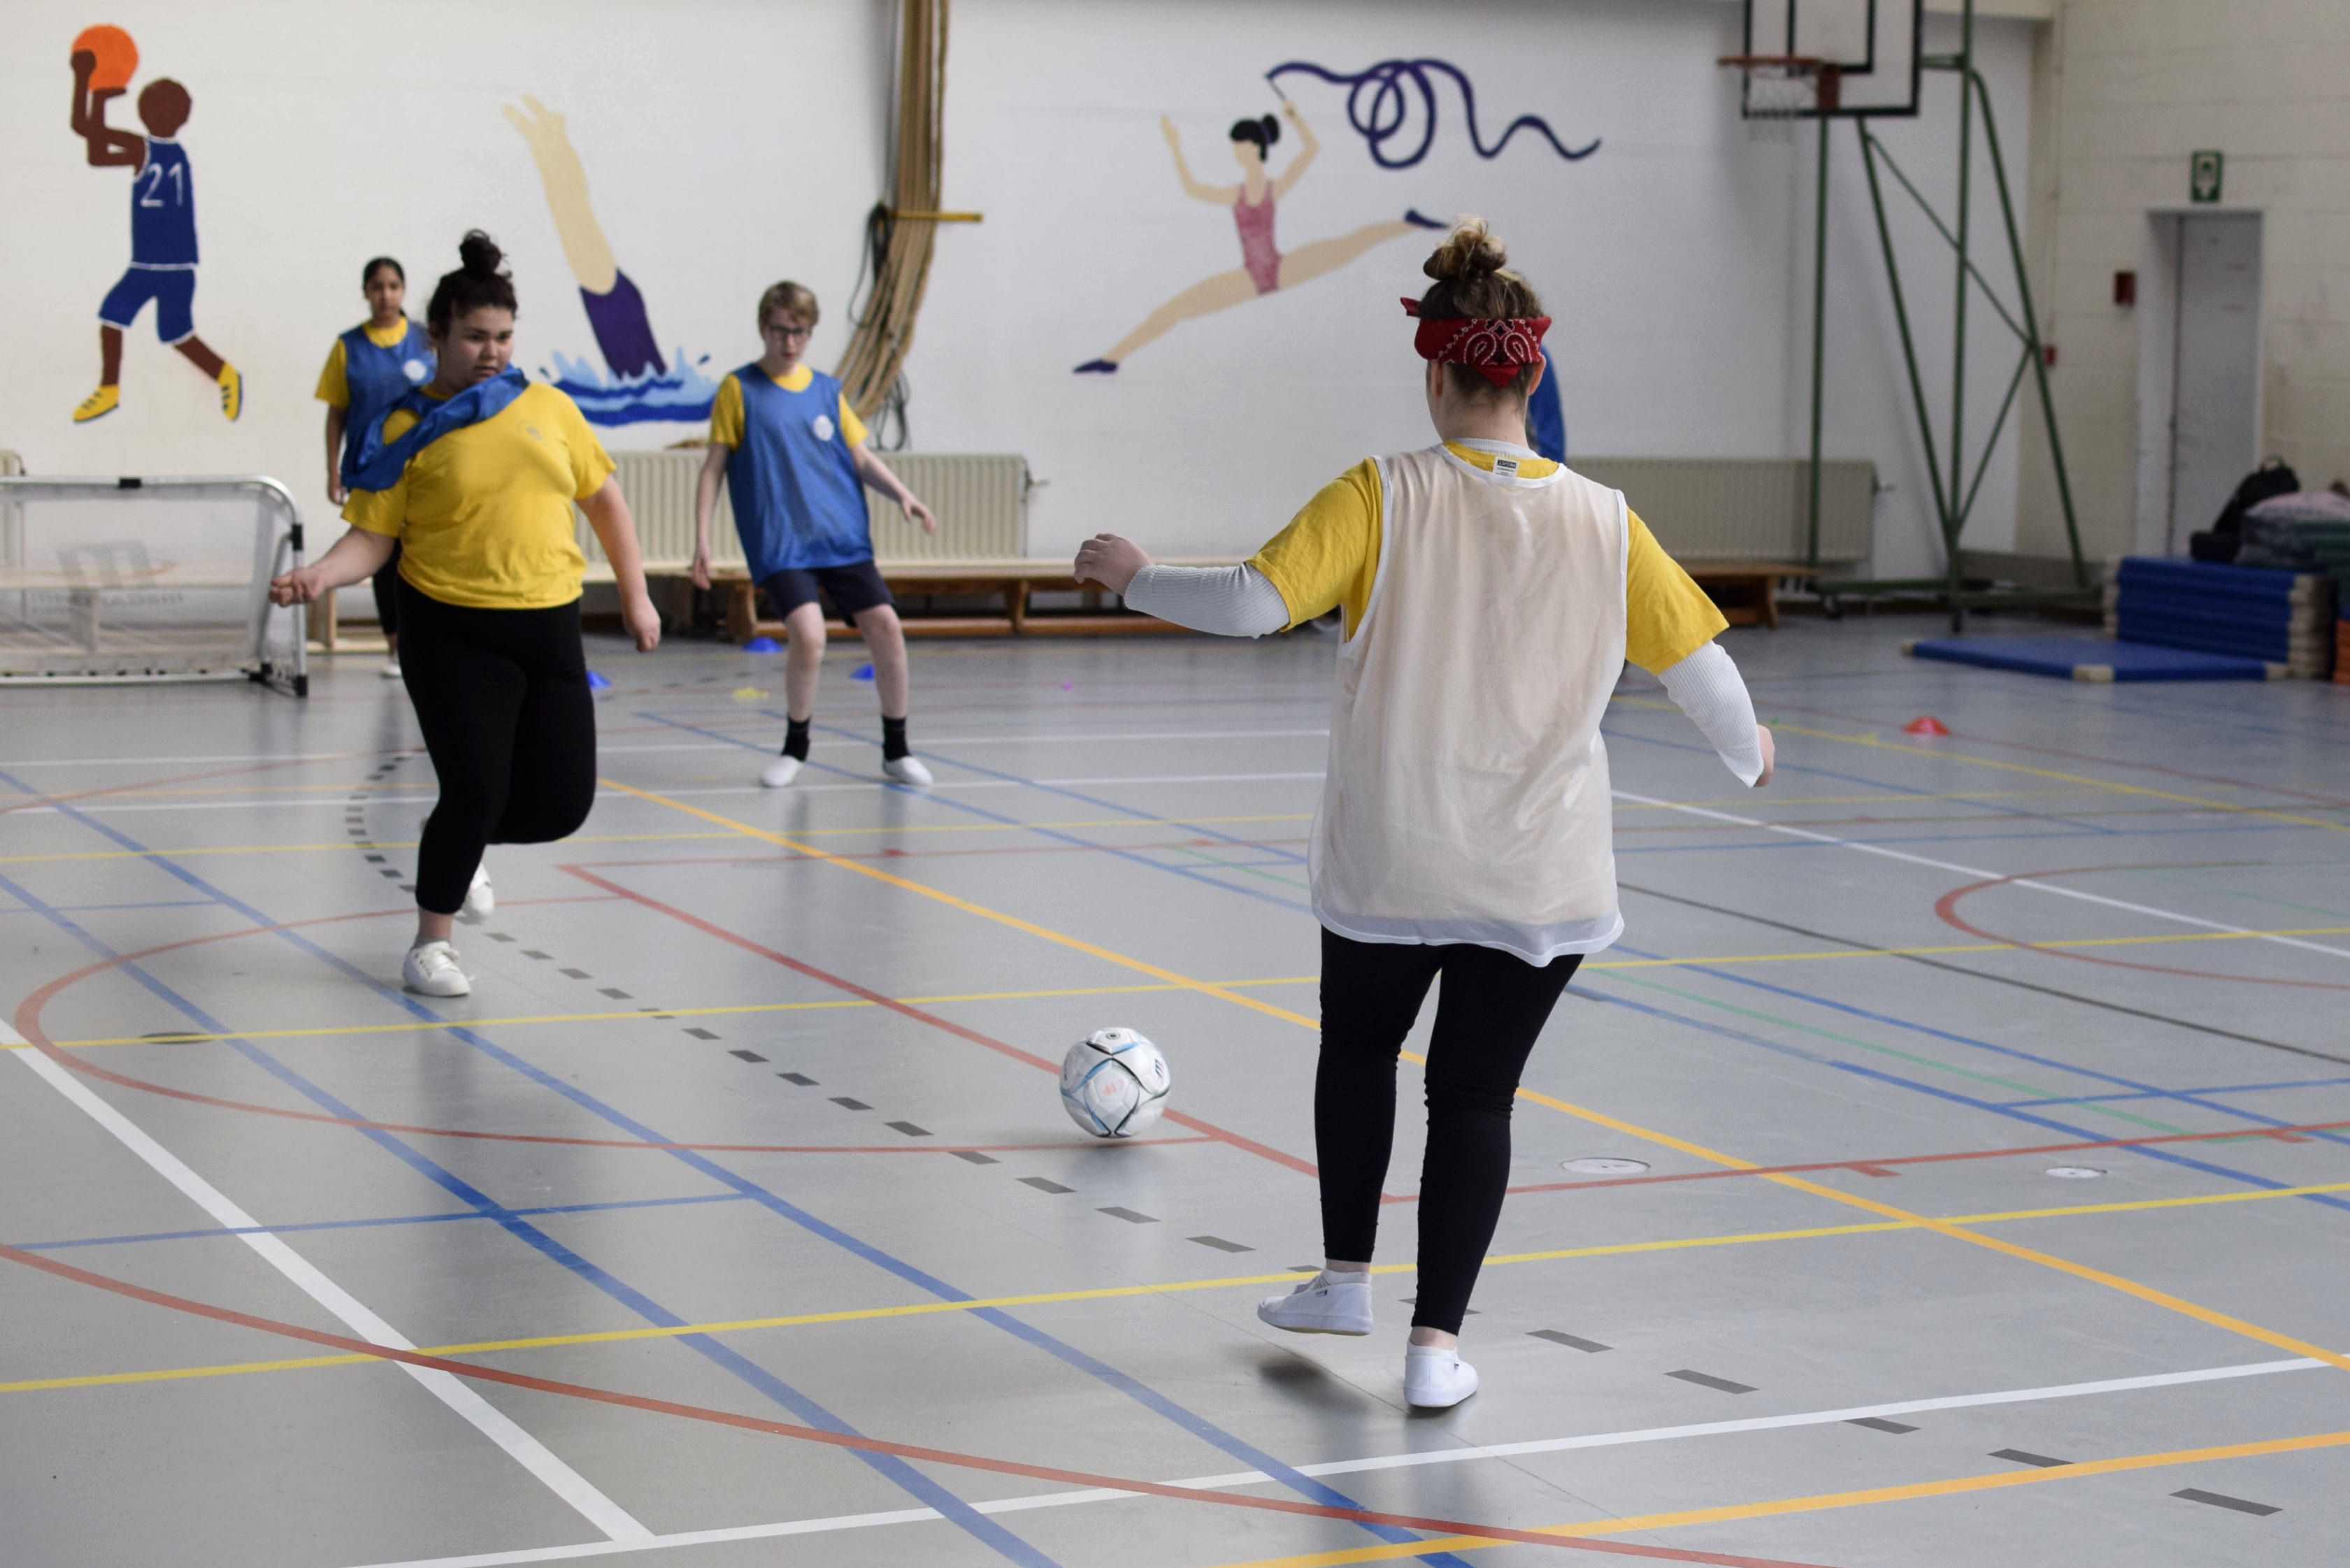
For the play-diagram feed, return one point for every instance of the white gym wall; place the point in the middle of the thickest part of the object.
(727, 143)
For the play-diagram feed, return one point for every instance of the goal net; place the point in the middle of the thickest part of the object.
(148, 579)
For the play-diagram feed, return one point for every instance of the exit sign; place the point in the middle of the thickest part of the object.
(2203, 171)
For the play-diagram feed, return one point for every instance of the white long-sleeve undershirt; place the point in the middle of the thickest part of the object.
(1241, 601)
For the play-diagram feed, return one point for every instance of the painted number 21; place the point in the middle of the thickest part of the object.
(153, 177)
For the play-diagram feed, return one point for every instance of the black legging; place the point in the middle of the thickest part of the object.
(1492, 1006)
(501, 697)
(387, 592)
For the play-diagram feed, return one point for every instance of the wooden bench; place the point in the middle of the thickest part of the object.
(1746, 591)
(1014, 580)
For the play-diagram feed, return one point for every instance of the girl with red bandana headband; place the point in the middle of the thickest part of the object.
(1492, 599)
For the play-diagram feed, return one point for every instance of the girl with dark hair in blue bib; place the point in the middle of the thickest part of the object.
(369, 368)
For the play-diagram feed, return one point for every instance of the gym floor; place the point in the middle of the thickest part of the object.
(1937, 1172)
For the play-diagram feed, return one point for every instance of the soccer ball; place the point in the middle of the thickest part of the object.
(1114, 1082)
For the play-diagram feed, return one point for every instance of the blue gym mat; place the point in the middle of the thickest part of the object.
(2084, 659)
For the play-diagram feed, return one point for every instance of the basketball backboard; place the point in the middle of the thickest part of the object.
(1874, 44)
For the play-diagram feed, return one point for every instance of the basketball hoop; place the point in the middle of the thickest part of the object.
(1780, 88)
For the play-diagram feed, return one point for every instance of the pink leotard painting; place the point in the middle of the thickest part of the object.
(1262, 267)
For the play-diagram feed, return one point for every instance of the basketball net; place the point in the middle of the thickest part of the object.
(1783, 88)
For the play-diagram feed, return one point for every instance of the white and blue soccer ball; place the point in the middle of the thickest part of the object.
(1114, 1082)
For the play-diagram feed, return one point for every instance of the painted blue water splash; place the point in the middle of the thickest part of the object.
(1386, 113)
(679, 394)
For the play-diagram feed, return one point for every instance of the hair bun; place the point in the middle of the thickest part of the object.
(1469, 253)
(1271, 130)
(480, 255)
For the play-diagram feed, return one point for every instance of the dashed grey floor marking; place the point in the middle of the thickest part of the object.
(802, 1079)
(615, 993)
(701, 1034)
(971, 1155)
(377, 859)
(1220, 1244)
(577, 974)
(1709, 1381)
(2020, 1458)
(909, 1128)
(746, 1056)
(1569, 1340)
(1042, 1185)
(497, 936)
(535, 953)
(1129, 1215)
(2220, 1500)
(1879, 1424)
(846, 1104)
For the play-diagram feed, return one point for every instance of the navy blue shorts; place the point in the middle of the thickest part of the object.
(173, 290)
(853, 588)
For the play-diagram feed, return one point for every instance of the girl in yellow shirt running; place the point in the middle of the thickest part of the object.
(474, 475)
(1491, 597)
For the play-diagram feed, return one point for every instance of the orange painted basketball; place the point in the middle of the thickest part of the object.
(118, 56)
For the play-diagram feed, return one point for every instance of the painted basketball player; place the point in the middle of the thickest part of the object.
(1262, 267)
(162, 234)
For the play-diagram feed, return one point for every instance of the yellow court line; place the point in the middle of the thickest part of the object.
(1181, 982)
(1957, 757)
(195, 1037)
(925, 1309)
(2146, 1293)
(1954, 1486)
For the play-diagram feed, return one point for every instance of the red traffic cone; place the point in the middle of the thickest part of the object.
(1925, 724)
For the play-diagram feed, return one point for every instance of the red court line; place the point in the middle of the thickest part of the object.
(792, 857)
(28, 1024)
(863, 1444)
(30, 801)
(1222, 1135)
(1946, 908)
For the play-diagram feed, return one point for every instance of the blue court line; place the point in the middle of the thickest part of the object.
(2169, 1094)
(98, 909)
(912, 1481)
(906, 1476)
(218, 1230)
(969, 809)
(2185, 1097)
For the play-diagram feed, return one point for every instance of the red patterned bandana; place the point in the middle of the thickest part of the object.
(1497, 348)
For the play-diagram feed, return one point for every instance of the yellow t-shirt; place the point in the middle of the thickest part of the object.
(1329, 557)
(483, 514)
(726, 408)
(334, 390)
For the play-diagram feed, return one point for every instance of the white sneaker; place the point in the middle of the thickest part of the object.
(430, 970)
(479, 899)
(1435, 1377)
(780, 772)
(907, 771)
(1321, 1306)
(391, 670)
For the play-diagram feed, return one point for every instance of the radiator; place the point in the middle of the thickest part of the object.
(1745, 508)
(981, 499)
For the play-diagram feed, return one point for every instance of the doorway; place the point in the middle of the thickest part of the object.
(2198, 372)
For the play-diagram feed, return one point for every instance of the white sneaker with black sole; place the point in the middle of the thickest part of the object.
(907, 771)
(1322, 1305)
(430, 970)
(481, 901)
(391, 670)
(1435, 1377)
(780, 772)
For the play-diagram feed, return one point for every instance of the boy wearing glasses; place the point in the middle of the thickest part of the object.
(793, 454)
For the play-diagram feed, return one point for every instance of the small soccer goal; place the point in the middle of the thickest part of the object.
(105, 581)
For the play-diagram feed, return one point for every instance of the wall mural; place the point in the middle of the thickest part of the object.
(1263, 268)
(1379, 109)
(637, 384)
(163, 267)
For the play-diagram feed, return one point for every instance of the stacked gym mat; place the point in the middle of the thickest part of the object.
(2305, 532)
(2281, 617)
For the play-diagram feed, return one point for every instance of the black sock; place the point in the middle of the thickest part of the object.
(893, 740)
(795, 738)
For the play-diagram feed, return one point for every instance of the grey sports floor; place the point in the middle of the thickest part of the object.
(747, 1138)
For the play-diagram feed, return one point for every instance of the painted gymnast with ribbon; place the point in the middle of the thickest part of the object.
(1263, 268)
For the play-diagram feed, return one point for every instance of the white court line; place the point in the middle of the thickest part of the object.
(1380, 1462)
(1977, 872)
(695, 747)
(281, 803)
(452, 1390)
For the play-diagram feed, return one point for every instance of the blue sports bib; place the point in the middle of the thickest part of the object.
(375, 379)
(798, 502)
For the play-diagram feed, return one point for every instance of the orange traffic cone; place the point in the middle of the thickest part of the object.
(1925, 724)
